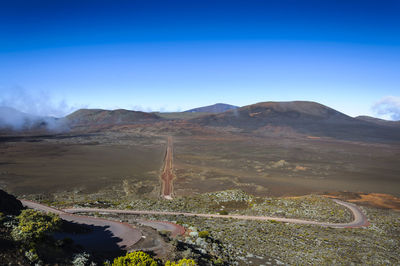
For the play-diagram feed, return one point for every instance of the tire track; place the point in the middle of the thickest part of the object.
(167, 174)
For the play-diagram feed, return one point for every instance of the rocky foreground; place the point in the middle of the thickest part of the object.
(237, 242)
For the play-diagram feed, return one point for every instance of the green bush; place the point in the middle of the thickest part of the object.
(223, 212)
(204, 234)
(182, 262)
(137, 258)
(34, 225)
(218, 261)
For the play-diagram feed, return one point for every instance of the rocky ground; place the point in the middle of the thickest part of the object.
(311, 207)
(237, 242)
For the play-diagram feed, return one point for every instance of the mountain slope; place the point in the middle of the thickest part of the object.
(215, 108)
(93, 117)
(378, 121)
(299, 116)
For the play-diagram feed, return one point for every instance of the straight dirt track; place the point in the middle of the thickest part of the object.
(167, 174)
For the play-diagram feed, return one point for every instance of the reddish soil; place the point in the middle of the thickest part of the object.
(378, 200)
(167, 174)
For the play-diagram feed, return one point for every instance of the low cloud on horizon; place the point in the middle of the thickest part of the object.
(388, 107)
(37, 103)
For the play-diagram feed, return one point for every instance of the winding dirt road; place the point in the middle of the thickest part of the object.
(360, 220)
(123, 234)
(167, 174)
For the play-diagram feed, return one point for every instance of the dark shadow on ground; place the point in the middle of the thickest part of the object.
(95, 239)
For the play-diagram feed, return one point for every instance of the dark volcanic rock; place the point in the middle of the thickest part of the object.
(9, 204)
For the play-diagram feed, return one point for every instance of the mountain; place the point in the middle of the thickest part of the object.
(214, 109)
(378, 121)
(302, 117)
(93, 117)
(14, 120)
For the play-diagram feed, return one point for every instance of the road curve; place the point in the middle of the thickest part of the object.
(175, 229)
(125, 234)
(360, 220)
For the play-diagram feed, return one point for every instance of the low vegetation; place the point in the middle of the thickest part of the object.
(274, 242)
(135, 258)
(33, 226)
(225, 241)
(311, 207)
(28, 240)
(140, 258)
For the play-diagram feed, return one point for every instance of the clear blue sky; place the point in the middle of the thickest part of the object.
(175, 55)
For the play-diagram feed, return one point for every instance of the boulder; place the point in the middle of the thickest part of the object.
(9, 204)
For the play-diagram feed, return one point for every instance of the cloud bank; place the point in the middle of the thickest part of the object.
(24, 110)
(388, 106)
(33, 103)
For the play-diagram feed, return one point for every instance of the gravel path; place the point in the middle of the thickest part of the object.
(360, 220)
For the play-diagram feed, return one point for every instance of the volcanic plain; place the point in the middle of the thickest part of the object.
(282, 160)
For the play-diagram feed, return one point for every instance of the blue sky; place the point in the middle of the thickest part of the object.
(56, 56)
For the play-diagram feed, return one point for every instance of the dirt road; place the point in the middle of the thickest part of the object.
(360, 220)
(167, 174)
(175, 229)
(118, 235)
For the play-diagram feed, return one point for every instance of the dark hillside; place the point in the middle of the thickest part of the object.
(94, 117)
(302, 117)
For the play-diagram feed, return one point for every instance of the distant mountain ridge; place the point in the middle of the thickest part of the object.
(299, 116)
(215, 108)
(264, 119)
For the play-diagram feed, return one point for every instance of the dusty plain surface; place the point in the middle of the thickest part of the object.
(79, 165)
(284, 166)
(111, 165)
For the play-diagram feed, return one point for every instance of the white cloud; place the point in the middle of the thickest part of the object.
(388, 106)
(33, 103)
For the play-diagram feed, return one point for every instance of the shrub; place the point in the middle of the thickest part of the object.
(204, 234)
(81, 259)
(31, 255)
(137, 258)
(182, 262)
(218, 261)
(34, 225)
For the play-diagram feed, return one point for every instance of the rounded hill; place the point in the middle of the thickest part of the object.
(92, 117)
(300, 117)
